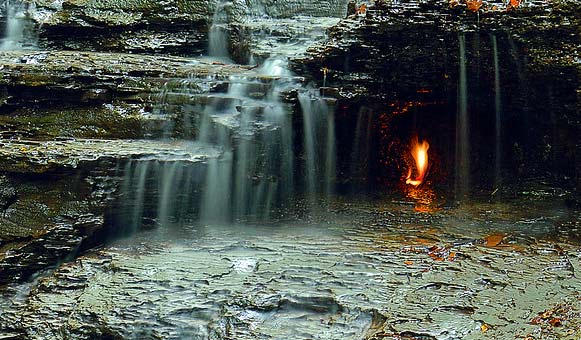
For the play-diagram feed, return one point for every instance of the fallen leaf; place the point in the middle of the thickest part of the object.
(513, 4)
(546, 314)
(556, 322)
(484, 328)
(452, 256)
(362, 9)
(493, 240)
(473, 5)
(408, 263)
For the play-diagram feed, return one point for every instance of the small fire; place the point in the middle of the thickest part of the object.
(420, 154)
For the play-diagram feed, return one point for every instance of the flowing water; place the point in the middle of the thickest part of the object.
(17, 33)
(319, 141)
(497, 116)
(221, 247)
(462, 126)
(218, 37)
(260, 165)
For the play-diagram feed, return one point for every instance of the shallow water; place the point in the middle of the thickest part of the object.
(356, 270)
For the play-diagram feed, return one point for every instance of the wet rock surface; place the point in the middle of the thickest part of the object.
(39, 157)
(359, 271)
(56, 194)
(178, 28)
(399, 59)
(94, 78)
(376, 272)
(407, 46)
(46, 219)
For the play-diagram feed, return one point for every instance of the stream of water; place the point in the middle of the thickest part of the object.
(17, 32)
(497, 117)
(262, 167)
(462, 126)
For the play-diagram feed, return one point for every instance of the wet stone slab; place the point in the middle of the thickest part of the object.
(28, 156)
(374, 272)
(89, 77)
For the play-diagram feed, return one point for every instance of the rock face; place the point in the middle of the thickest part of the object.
(47, 220)
(174, 27)
(405, 58)
(95, 78)
(56, 193)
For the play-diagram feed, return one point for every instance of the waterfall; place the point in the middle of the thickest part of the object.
(16, 36)
(218, 37)
(319, 145)
(255, 128)
(498, 117)
(253, 169)
(462, 126)
(360, 154)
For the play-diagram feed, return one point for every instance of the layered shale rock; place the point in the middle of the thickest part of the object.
(55, 194)
(174, 27)
(402, 59)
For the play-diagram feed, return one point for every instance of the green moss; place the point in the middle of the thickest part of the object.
(105, 121)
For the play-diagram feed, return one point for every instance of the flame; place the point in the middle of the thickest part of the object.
(420, 154)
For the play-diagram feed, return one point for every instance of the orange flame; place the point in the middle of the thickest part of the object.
(420, 154)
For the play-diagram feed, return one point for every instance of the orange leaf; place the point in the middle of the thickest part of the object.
(546, 314)
(452, 256)
(408, 263)
(556, 322)
(493, 240)
(513, 4)
(473, 5)
(484, 328)
(362, 9)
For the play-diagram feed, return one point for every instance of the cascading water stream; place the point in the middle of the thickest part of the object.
(254, 158)
(16, 36)
(218, 33)
(361, 147)
(319, 149)
(462, 126)
(257, 170)
(497, 116)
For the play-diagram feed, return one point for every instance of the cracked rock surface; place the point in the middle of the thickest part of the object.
(368, 271)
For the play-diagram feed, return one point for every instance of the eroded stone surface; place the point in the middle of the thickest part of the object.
(34, 156)
(88, 77)
(387, 272)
